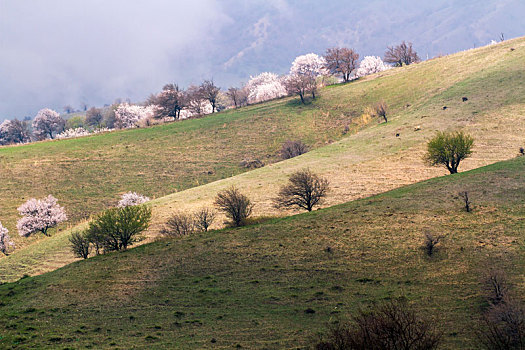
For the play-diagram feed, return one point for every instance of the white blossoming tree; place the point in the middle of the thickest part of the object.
(47, 123)
(265, 86)
(5, 240)
(370, 65)
(132, 198)
(14, 131)
(39, 215)
(129, 116)
(309, 64)
(71, 133)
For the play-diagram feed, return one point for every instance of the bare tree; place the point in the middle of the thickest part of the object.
(504, 327)
(291, 149)
(430, 244)
(239, 96)
(341, 60)
(464, 196)
(68, 109)
(94, 117)
(402, 54)
(193, 98)
(390, 326)
(210, 92)
(179, 224)
(235, 205)
(204, 218)
(299, 84)
(304, 190)
(381, 110)
(80, 245)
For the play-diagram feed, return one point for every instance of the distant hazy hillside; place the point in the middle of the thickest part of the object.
(99, 54)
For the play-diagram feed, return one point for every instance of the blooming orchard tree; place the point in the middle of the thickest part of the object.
(39, 215)
(71, 133)
(298, 84)
(47, 123)
(370, 65)
(341, 61)
(132, 198)
(5, 240)
(129, 116)
(264, 87)
(309, 64)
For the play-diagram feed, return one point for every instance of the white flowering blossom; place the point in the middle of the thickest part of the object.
(5, 240)
(370, 65)
(71, 133)
(309, 64)
(48, 123)
(265, 86)
(39, 215)
(102, 130)
(129, 116)
(132, 198)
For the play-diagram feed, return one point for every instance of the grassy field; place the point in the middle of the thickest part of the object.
(250, 287)
(363, 163)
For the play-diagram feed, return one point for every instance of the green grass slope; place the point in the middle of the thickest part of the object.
(368, 162)
(250, 287)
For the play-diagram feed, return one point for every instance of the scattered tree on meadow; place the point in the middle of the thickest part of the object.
(239, 96)
(303, 190)
(381, 110)
(301, 85)
(341, 61)
(94, 117)
(119, 228)
(309, 64)
(504, 327)
(402, 54)
(169, 102)
(390, 326)
(466, 200)
(195, 101)
(47, 123)
(291, 149)
(235, 205)
(430, 244)
(265, 86)
(14, 131)
(39, 215)
(210, 92)
(370, 65)
(204, 218)
(80, 244)
(449, 149)
(132, 198)
(129, 116)
(5, 240)
(179, 224)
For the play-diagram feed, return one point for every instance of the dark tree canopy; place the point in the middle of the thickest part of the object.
(94, 117)
(235, 205)
(402, 54)
(303, 190)
(80, 245)
(341, 61)
(449, 149)
(169, 102)
(14, 131)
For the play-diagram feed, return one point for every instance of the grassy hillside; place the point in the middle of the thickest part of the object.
(371, 161)
(250, 287)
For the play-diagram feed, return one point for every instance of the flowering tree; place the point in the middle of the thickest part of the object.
(5, 240)
(210, 92)
(132, 198)
(39, 215)
(14, 131)
(370, 65)
(71, 133)
(264, 87)
(341, 61)
(309, 64)
(47, 123)
(128, 116)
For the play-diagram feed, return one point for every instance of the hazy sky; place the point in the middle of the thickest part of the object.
(59, 52)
